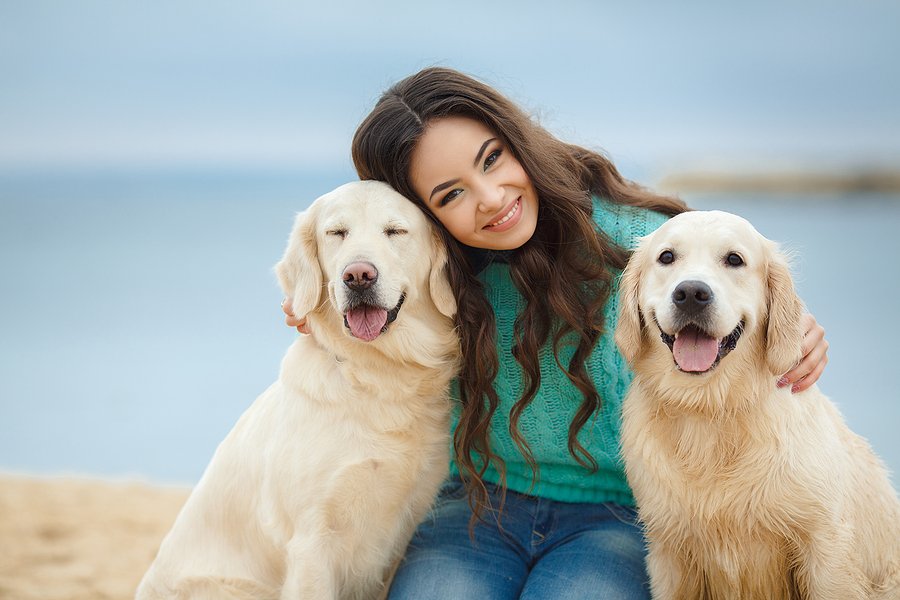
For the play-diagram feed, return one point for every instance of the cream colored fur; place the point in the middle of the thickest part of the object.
(316, 491)
(745, 490)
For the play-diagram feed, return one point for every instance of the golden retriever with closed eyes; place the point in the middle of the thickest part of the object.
(317, 490)
(745, 490)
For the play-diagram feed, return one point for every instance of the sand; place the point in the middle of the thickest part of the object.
(79, 539)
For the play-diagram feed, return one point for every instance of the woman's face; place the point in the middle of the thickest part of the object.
(474, 185)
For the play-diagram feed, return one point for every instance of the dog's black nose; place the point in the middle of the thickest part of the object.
(692, 296)
(360, 275)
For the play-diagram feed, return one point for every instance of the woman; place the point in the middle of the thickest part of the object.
(538, 231)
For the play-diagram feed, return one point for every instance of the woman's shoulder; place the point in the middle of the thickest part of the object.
(624, 224)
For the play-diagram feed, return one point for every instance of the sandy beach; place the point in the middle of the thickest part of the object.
(79, 539)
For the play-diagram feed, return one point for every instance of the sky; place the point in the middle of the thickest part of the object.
(277, 84)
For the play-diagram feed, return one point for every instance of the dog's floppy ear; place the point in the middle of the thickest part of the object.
(630, 327)
(783, 331)
(438, 284)
(298, 270)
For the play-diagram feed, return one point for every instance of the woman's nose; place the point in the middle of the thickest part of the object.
(490, 198)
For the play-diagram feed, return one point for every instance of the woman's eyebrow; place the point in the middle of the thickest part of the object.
(442, 186)
(481, 151)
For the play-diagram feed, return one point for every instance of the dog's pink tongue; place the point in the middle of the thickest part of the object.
(695, 351)
(366, 322)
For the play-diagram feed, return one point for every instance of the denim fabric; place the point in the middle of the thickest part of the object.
(539, 549)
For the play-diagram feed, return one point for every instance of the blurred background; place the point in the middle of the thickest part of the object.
(153, 155)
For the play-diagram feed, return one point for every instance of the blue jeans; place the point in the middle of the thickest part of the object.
(541, 549)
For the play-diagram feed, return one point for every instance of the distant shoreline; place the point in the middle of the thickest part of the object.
(774, 182)
(765, 179)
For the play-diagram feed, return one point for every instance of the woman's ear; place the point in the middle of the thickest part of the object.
(298, 270)
(784, 333)
(630, 327)
(438, 281)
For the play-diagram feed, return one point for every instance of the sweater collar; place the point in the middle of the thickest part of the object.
(479, 258)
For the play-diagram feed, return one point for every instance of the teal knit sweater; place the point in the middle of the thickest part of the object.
(545, 422)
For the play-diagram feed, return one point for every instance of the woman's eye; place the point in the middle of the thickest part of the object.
(734, 260)
(666, 257)
(492, 158)
(449, 197)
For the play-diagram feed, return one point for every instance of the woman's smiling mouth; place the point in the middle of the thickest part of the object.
(509, 215)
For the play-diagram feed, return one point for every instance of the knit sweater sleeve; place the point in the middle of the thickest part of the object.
(545, 422)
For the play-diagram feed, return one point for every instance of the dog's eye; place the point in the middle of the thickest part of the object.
(734, 260)
(666, 257)
(391, 231)
(339, 232)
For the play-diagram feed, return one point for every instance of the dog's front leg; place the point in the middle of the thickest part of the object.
(309, 573)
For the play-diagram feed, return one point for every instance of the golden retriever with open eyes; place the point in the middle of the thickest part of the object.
(317, 490)
(745, 490)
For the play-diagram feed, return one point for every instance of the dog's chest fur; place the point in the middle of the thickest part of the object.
(722, 487)
(357, 465)
(368, 424)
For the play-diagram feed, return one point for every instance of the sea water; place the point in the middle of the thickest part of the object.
(139, 314)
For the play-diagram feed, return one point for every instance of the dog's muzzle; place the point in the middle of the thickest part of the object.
(697, 352)
(368, 320)
(694, 350)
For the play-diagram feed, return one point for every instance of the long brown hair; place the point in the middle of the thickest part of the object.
(562, 272)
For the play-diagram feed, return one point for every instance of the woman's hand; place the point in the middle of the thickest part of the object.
(294, 321)
(815, 357)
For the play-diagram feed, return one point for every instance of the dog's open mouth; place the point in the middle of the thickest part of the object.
(696, 352)
(367, 322)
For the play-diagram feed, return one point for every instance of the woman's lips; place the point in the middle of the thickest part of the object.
(508, 219)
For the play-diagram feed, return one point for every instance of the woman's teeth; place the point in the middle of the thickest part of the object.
(508, 215)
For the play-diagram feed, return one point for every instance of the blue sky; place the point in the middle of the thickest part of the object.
(658, 85)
